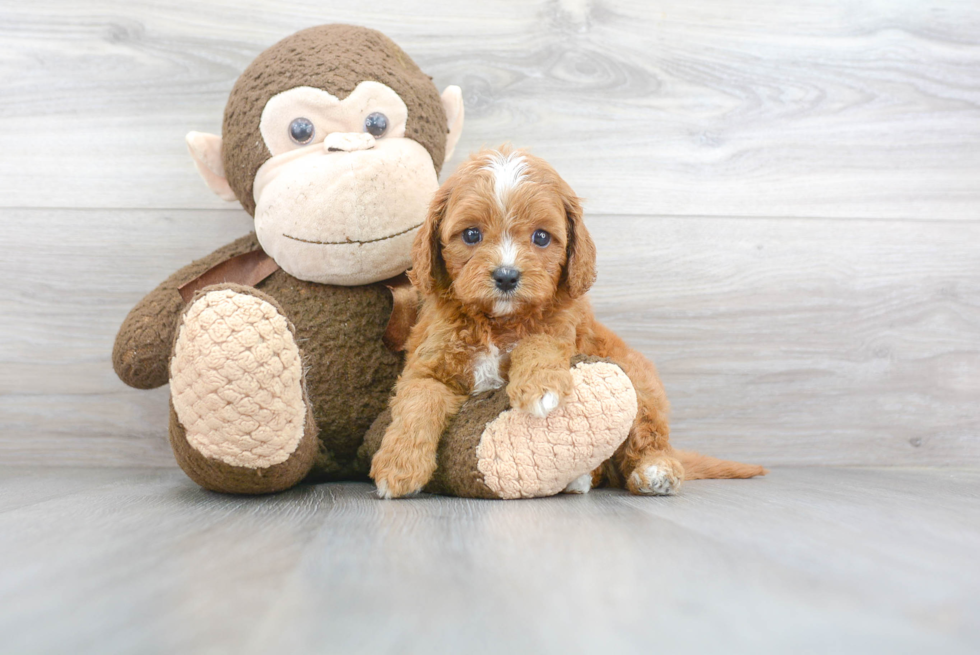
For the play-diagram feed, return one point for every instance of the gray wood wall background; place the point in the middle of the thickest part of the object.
(785, 195)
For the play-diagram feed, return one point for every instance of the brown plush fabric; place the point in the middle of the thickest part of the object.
(141, 353)
(334, 58)
(372, 441)
(457, 473)
(589, 359)
(404, 313)
(350, 372)
(219, 476)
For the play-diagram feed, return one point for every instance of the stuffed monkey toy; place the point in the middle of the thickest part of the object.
(282, 348)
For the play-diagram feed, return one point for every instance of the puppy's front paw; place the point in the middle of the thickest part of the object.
(657, 478)
(398, 474)
(541, 393)
(543, 405)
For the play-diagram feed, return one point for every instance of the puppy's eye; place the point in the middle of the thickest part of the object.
(472, 236)
(301, 131)
(540, 238)
(376, 124)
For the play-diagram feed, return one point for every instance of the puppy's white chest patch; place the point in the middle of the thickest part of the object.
(486, 370)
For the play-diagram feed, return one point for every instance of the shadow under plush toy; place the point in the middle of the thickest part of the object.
(282, 348)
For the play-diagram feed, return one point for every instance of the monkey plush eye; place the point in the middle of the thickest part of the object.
(540, 238)
(472, 236)
(376, 124)
(301, 131)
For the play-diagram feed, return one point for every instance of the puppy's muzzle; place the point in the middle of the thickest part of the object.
(506, 277)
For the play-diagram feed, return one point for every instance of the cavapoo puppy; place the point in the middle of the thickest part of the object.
(503, 262)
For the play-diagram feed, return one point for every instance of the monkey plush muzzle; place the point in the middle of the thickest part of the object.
(344, 211)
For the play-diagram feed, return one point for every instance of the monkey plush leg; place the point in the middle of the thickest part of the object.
(493, 451)
(240, 421)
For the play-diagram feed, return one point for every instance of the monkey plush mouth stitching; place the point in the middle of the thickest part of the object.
(349, 241)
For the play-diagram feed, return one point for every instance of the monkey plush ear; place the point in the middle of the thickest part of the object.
(429, 274)
(206, 152)
(579, 273)
(452, 102)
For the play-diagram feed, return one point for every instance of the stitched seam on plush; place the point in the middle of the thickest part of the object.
(350, 241)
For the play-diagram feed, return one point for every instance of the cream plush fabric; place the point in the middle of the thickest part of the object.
(524, 457)
(236, 380)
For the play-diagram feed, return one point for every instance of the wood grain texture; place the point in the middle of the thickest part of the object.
(797, 341)
(826, 108)
(781, 341)
(806, 560)
(786, 199)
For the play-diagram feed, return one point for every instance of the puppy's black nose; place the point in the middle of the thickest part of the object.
(506, 277)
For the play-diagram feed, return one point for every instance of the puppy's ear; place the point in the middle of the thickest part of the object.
(429, 274)
(579, 273)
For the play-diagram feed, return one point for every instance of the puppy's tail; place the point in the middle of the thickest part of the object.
(705, 467)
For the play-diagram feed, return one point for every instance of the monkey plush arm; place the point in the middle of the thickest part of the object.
(141, 353)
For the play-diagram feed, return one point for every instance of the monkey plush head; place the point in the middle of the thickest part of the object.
(333, 140)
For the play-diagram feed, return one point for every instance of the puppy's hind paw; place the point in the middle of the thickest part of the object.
(580, 485)
(659, 479)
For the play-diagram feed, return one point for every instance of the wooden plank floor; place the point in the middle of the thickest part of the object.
(807, 560)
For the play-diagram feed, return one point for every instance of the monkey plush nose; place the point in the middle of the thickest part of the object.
(348, 141)
(506, 277)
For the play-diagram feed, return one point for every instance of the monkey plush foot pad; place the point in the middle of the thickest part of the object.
(237, 380)
(491, 450)
(521, 456)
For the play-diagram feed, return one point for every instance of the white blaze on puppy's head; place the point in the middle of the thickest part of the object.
(509, 171)
(507, 251)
